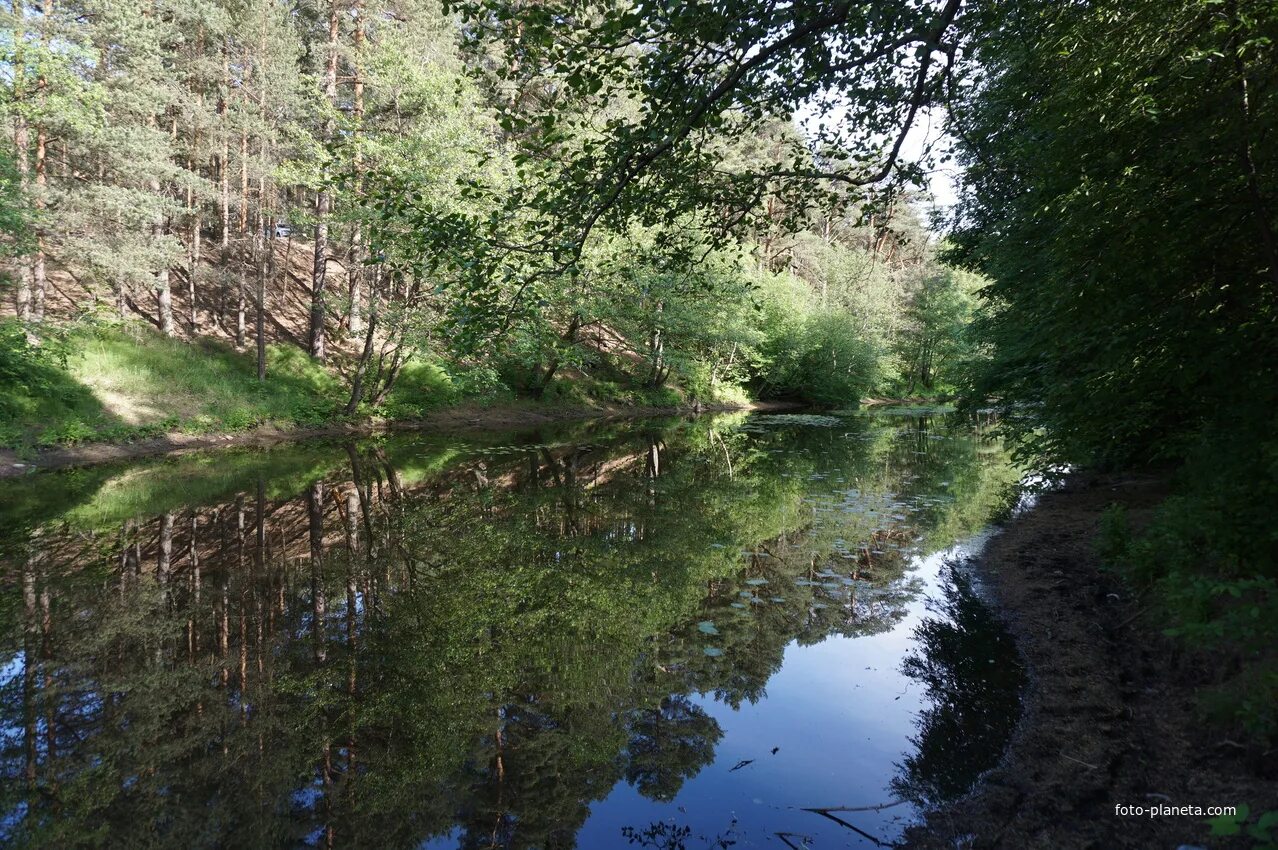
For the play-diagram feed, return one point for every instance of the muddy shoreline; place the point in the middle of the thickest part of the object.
(446, 421)
(465, 417)
(1109, 713)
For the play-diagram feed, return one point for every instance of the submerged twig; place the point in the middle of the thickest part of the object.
(826, 813)
(876, 808)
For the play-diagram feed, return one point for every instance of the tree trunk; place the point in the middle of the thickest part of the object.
(324, 201)
(365, 358)
(163, 293)
(1260, 210)
(21, 144)
(657, 350)
(242, 259)
(193, 261)
(41, 166)
(265, 257)
(224, 158)
(355, 272)
(318, 273)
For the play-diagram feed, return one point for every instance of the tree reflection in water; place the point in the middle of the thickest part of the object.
(384, 642)
(974, 678)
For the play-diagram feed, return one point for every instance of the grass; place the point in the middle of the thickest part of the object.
(118, 383)
(93, 382)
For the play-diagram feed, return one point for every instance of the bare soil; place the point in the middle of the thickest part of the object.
(463, 417)
(1110, 714)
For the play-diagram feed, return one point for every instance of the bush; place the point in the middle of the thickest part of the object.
(1210, 559)
(819, 359)
(478, 382)
(38, 396)
(420, 386)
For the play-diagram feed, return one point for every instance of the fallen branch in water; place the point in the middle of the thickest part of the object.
(826, 813)
(880, 807)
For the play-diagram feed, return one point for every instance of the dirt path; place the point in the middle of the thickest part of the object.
(461, 418)
(1110, 717)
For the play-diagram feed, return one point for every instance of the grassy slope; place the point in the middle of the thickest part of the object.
(122, 383)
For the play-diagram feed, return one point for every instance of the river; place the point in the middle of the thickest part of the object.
(728, 631)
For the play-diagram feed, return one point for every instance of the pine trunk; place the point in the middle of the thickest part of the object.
(163, 293)
(194, 266)
(223, 160)
(324, 201)
(355, 272)
(41, 183)
(242, 260)
(22, 163)
(318, 275)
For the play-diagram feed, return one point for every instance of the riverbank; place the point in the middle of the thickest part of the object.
(1110, 717)
(467, 416)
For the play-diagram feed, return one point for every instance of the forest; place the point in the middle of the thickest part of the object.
(298, 195)
(221, 215)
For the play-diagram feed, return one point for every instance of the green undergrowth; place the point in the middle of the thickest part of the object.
(116, 383)
(1208, 561)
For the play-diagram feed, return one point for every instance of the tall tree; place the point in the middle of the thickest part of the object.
(324, 196)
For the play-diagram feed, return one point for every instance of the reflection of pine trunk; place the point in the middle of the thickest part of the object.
(652, 470)
(165, 559)
(46, 658)
(352, 591)
(327, 780)
(192, 622)
(259, 563)
(30, 633)
(315, 516)
(357, 476)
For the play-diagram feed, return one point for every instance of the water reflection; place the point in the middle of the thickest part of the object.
(973, 675)
(557, 641)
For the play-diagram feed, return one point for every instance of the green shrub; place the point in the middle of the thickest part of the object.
(1115, 536)
(478, 382)
(1210, 558)
(421, 385)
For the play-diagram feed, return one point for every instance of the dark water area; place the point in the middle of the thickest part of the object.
(733, 631)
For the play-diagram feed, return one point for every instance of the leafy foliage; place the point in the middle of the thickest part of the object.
(1118, 195)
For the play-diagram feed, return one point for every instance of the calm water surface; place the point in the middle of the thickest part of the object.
(732, 631)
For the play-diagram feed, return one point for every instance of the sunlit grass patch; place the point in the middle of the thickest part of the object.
(125, 382)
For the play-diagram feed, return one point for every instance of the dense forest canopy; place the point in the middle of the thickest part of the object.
(398, 203)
